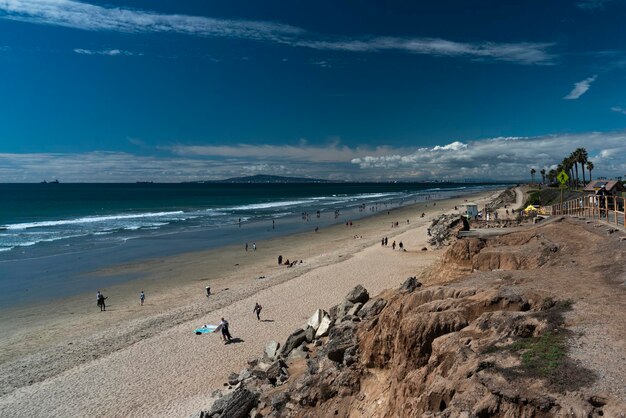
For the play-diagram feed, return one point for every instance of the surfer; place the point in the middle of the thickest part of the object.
(257, 310)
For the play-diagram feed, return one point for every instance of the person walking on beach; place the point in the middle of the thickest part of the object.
(246, 246)
(254, 246)
(257, 310)
(208, 291)
(225, 331)
(280, 260)
(101, 300)
(142, 297)
(393, 245)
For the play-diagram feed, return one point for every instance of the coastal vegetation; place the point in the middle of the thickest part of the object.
(569, 165)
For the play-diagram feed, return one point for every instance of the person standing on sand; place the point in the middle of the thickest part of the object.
(101, 303)
(142, 297)
(246, 246)
(254, 246)
(225, 331)
(257, 310)
(393, 245)
(208, 291)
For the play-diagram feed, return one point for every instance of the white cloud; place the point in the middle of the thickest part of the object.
(126, 167)
(523, 53)
(592, 5)
(78, 15)
(502, 158)
(109, 52)
(322, 63)
(333, 152)
(580, 88)
(619, 109)
(491, 158)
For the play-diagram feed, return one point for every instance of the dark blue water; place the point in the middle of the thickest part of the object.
(51, 235)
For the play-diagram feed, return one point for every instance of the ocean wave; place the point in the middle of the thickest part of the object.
(269, 205)
(89, 219)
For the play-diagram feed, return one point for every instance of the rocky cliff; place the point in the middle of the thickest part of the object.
(490, 339)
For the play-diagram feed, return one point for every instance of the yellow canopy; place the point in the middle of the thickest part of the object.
(531, 208)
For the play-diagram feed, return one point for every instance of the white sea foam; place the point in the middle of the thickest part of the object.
(89, 219)
(268, 205)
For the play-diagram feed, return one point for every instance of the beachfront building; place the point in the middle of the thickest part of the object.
(613, 187)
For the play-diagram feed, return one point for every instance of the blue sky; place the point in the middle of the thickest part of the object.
(189, 90)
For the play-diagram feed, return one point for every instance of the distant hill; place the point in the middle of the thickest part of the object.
(262, 178)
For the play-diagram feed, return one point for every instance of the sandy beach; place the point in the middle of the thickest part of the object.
(66, 358)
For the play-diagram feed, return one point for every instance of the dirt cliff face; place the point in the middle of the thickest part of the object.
(496, 343)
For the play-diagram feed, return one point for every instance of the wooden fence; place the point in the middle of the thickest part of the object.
(609, 209)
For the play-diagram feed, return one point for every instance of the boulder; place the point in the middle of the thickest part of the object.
(237, 404)
(271, 350)
(260, 370)
(355, 309)
(324, 327)
(245, 374)
(446, 227)
(358, 295)
(297, 354)
(293, 341)
(315, 319)
(410, 285)
(309, 334)
(343, 308)
(372, 308)
(233, 379)
(273, 372)
(279, 401)
(340, 338)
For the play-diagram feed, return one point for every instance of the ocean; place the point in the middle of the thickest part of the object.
(44, 226)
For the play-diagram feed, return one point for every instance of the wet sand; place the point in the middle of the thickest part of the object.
(69, 359)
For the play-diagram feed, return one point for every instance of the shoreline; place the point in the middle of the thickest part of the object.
(173, 305)
(39, 274)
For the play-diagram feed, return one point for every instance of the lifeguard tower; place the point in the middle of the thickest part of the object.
(471, 210)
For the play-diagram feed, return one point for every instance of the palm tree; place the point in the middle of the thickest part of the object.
(543, 175)
(582, 159)
(532, 174)
(574, 159)
(552, 175)
(589, 167)
(567, 167)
